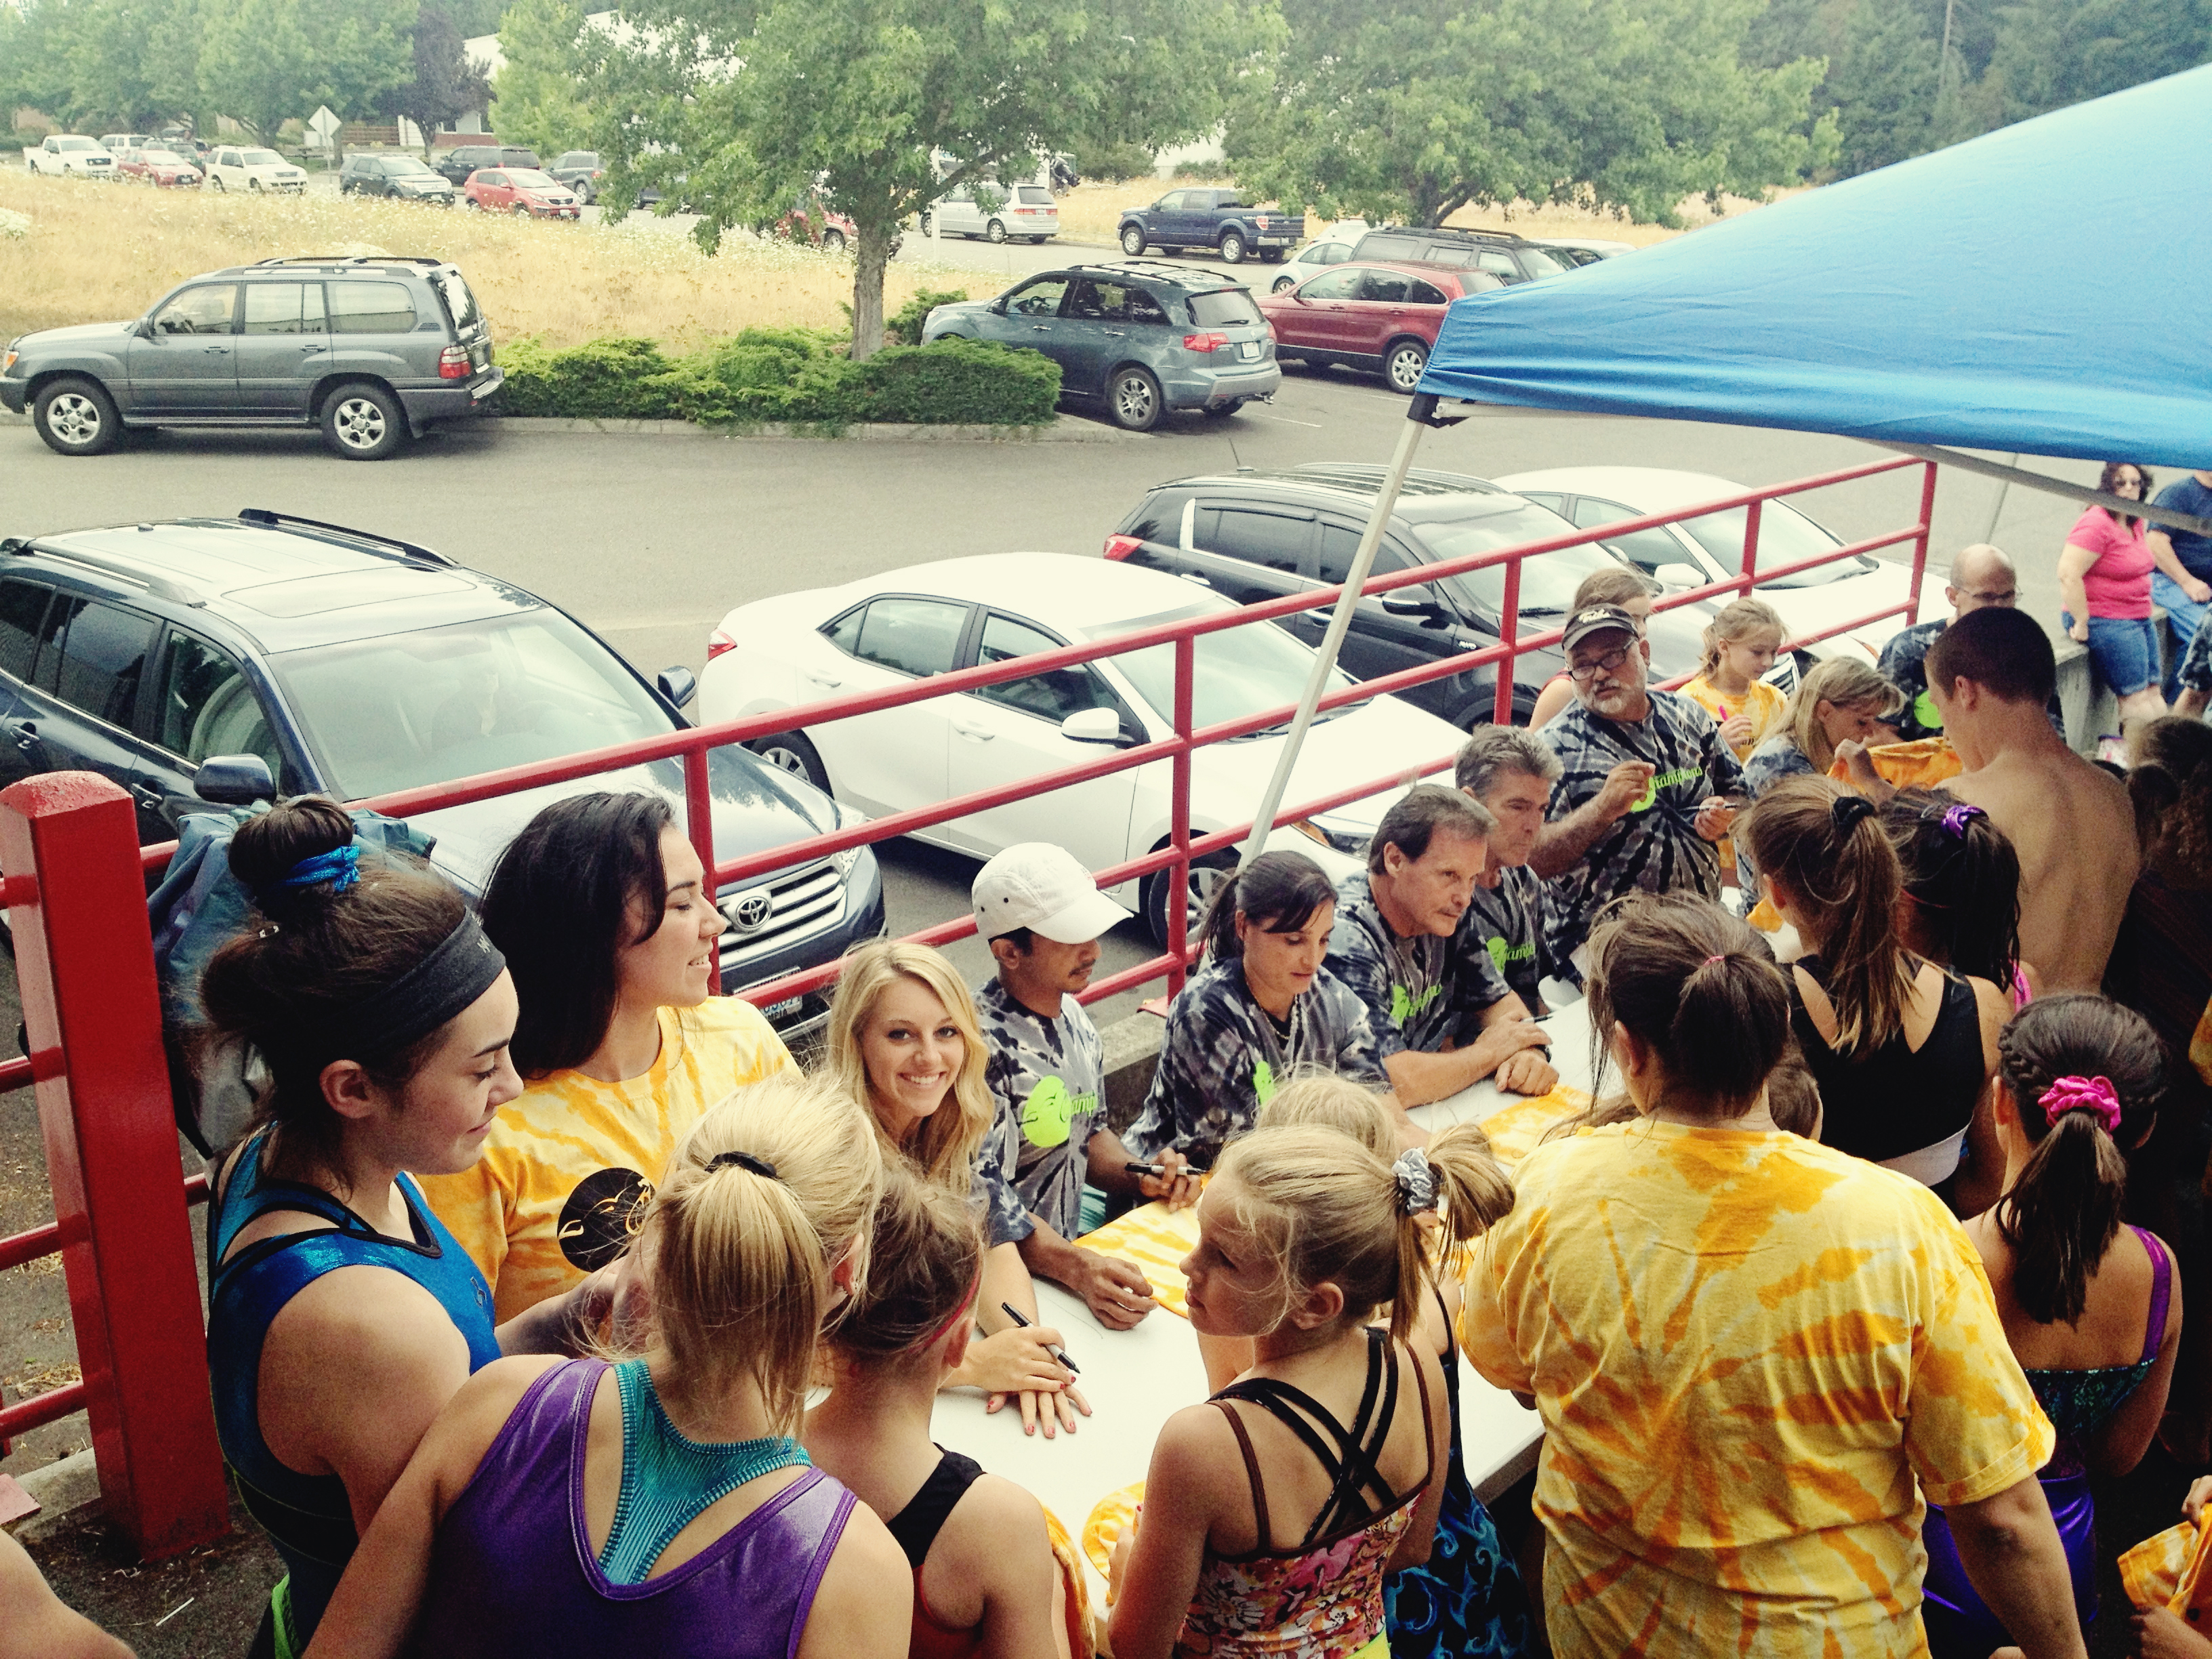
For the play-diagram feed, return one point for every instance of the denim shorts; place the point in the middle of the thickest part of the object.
(2125, 650)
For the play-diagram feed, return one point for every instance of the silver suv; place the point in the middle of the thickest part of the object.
(1139, 336)
(373, 350)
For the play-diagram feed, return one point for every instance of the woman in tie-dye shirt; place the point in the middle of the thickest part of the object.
(1756, 1358)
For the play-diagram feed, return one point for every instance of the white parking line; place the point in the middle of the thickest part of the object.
(1285, 419)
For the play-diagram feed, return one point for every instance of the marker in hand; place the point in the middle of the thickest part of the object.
(1160, 1169)
(1060, 1355)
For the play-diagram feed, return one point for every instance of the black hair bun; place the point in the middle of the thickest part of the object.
(266, 847)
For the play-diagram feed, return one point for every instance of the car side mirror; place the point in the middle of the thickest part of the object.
(1679, 575)
(999, 307)
(1419, 601)
(1092, 725)
(679, 685)
(233, 780)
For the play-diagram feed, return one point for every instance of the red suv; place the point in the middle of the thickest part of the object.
(524, 191)
(1372, 317)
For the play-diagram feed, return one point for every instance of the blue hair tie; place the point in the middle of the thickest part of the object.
(341, 867)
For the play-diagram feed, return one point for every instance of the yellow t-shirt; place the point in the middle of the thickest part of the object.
(1753, 1357)
(570, 1161)
(1762, 703)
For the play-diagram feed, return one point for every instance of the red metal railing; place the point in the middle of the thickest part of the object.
(1180, 849)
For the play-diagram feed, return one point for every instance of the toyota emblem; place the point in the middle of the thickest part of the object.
(751, 909)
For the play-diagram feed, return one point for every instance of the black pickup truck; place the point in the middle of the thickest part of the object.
(1211, 218)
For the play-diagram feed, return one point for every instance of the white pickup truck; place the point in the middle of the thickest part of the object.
(66, 155)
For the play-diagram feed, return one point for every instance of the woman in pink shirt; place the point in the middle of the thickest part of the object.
(2104, 583)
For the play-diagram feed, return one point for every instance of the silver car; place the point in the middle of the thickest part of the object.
(1140, 338)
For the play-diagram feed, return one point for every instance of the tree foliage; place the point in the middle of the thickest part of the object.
(266, 62)
(537, 98)
(1414, 108)
(445, 84)
(746, 107)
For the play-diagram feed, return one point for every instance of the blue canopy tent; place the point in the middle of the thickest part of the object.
(2044, 289)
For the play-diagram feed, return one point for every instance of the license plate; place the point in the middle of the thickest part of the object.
(789, 1006)
(1248, 349)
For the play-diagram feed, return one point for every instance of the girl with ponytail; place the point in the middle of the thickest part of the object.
(1342, 1429)
(342, 1314)
(1902, 1049)
(661, 1504)
(985, 1579)
(1673, 1290)
(2092, 1308)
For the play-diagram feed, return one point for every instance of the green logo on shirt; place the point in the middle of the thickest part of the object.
(1263, 1081)
(1405, 1003)
(1047, 1114)
(1665, 780)
(1924, 710)
(1501, 952)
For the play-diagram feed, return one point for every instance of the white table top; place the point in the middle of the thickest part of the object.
(1136, 1379)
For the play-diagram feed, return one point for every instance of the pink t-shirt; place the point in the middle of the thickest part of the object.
(2119, 582)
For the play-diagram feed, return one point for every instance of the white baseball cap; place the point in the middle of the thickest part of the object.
(1040, 887)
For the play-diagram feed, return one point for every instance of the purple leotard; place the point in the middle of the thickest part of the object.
(513, 1571)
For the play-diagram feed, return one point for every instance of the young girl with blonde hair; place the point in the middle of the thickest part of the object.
(904, 1040)
(1741, 646)
(661, 1504)
(1839, 701)
(984, 1580)
(1275, 1510)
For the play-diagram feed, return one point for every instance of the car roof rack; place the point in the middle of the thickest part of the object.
(1470, 233)
(345, 259)
(1159, 268)
(159, 584)
(267, 518)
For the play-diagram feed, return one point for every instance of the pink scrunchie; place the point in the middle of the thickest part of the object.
(2082, 1094)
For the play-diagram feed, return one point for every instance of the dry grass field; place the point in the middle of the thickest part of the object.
(96, 253)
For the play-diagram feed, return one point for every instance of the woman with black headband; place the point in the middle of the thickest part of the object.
(1903, 1049)
(342, 1316)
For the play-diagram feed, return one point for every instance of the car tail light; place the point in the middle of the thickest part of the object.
(1204, 342)
(454, 363)
(718, 642)
(1120, 547)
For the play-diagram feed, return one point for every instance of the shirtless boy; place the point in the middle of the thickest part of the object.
(1991, 673)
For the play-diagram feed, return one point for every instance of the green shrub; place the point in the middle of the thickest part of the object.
(1112, 163)
(955, 380)
(903, 326)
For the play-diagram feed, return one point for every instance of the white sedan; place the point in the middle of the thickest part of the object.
(891, 630)
(234, 166)
(1710, 548)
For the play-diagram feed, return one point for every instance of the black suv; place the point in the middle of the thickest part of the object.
(1253, 536)
(1509, 258)
(200, 663)
(372, 348)
(410, 177)
(458, 164)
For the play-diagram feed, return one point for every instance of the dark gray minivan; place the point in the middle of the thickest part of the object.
(374, 350)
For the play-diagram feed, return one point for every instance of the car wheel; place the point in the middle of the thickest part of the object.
(1285, 283)
(362, 422)
(1133, 240)
(520, 211)
(254, 186)
(221, 188)
(1134, 399)
(994, 231)
(76, 416)
(1271, 256)
(790, 751)
(1232, 247)
(834, 240)
(472, 204)
(1206, 876)
(1404, 364)
(1222, 411)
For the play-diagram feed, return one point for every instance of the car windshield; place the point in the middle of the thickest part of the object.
(1785, 536)
(1033, 195)
(159, 155)
(1543, 263)
(530, 179)
(460, 303)
(408, 167)
(77, 143)
(1227, 305)
(580, 158)
(1240, 671)
(1548, 581)
(410, 709)
(259, 158)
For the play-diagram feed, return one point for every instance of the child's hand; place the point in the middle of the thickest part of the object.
(2159, 1634)
(1735, 731)
(2192, 1507)
(1117, 1559)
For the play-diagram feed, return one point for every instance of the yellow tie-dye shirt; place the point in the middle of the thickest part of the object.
(1745, 1347)
(570, 1159)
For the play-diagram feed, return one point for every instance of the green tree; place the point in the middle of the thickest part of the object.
(1416, 108)
(445, 84)
(1883, 85)
(266, 62)
(537, 97)
(130, 62)
(757, 104)
(2056, 52)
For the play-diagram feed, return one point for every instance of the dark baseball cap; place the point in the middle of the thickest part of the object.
(1596, 619)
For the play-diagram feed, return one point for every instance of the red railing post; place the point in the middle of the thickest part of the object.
(1178, 873)
(1751, 517)
(84, 966)
(1508, 633)
(699, 823)
(1920, 543)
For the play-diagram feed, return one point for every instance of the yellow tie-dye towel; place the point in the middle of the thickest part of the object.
(1514, 1130)
(1922, 764)
(1108, 1517)
(1157, 1239)
(1074, 1600)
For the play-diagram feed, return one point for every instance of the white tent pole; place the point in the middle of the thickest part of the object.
(1340, 621)
(1997, 507)
(2048, 486)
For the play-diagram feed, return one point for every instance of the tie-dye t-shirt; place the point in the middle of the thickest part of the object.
(570, 1161)
(1754, 1358)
